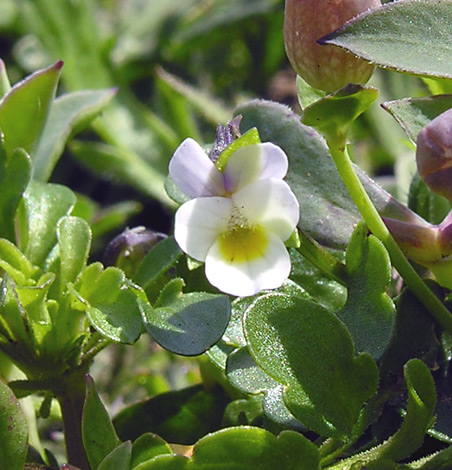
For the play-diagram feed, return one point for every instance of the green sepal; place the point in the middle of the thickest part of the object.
(333, 115)
(251, 137)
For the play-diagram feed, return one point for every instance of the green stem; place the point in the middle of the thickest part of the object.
(379, 229)
(70, 394)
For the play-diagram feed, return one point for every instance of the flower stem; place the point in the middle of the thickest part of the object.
(378, 228)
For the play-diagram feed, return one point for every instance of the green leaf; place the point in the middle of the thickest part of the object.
(244, 374)
(13, 431)
(244, 447)
(15, 173)
(334, 114)
(98, 434)
(161, 257)
(69, 114)
(44, 204)
(23, 111)
(369, 312)
(13, 261)
(74, 240)
(411, 36)
(146, 447)
(415, 113)
(327, 212)
(419, 413)
(308, 349)
(110, 303)
(5, 86)
(118, 458)
(182, 416)
(189, 324)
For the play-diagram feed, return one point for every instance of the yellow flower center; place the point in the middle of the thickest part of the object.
(241, 244)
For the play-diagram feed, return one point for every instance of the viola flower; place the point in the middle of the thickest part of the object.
(237, 219)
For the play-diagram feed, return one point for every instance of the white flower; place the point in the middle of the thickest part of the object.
(237, 220)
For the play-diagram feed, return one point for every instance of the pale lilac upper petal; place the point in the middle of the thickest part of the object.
(193, 171)
(246, 278)
(199, 222)
(271, 204)
(252, 163)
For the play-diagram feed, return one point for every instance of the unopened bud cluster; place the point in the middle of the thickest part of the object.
(326, 68)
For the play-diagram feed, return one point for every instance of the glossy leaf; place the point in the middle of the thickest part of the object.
(98, 433)
(13, 431)
(118, 458)
(146, 447)
(369, 312)
(400, 35)
(44, 204)
(161, 257)
(415, 113)
(74, 241)
(15, 173)
(245, 447)
(327, 212)
(326, 390)
(69, 114)
(189, 324)
(182, 416)
(110, 304)
(24, 110)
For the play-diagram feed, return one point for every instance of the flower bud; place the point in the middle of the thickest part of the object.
(327, 68)
(434, 154)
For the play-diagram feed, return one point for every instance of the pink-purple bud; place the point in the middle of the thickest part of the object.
(326, 68)
(434, 154)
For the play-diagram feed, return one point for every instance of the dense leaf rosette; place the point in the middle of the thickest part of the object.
(238, 219)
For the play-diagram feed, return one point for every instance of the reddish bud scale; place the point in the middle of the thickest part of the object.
(434, 154)
(326, 68)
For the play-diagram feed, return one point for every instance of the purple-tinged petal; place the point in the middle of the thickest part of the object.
(194, 173)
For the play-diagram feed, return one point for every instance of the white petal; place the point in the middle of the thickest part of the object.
(199, 222)
(270, 203)
(193, 171)
(248, 277)
(252, 163)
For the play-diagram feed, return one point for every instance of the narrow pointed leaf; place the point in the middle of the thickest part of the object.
(98, 433)
(24, 110)
(69, 114)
